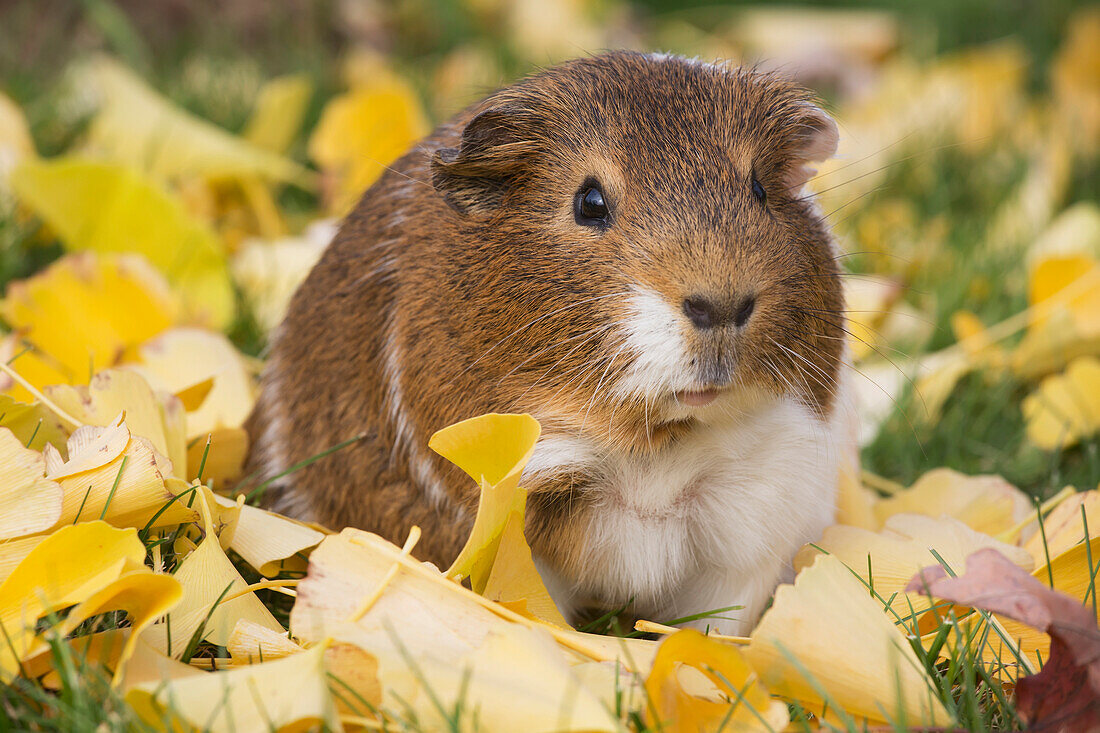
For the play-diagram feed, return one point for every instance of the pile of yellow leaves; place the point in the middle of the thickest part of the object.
(375, 634)
(122, 407)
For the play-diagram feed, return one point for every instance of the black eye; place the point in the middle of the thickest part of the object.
(759, 192)
(589, 207)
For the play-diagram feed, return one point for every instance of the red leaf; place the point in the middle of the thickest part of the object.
(1065, 695)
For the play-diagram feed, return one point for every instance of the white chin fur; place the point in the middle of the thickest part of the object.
(653, 334)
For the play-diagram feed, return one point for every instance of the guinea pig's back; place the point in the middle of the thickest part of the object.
(335, 371)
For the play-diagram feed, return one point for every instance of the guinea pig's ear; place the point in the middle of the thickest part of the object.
(816, 138)
(475, 177)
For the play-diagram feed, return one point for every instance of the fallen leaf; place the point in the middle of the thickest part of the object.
(987, 504)
(67, 568)
(277, 117)
(136, 126)
(251, 643)
(269, 272)
(29, 502)
(156, 417)
(34, 425)
(493, 450)
(265, 540)
(182, 357)
(825, 634)
(289, 693)
(363, 131)
(1065, 409)
(122, 302)
(1065, 695)
(886, 560)
(109, 208)
(736, 701)
(1064, 527)
(212, 597)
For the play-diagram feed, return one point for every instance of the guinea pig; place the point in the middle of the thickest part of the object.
(623, 247)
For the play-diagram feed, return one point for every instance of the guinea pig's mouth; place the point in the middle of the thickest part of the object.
(697, 398)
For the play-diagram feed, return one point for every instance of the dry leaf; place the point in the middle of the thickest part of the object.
(290, 693)
(736, 700)
(109, 208)
(251, 643)
(493, 450)
(268, 272)
(122, 302)
(29, 502)
(363, 131)
(156, 417)
(67, 568)
(1065, 409)
(265, 540)
(277, 117)
(987, 504)
(1065, 696)
(115, 476)
(844, 641)
(210, 597)
(136, 126)
(887, 560)
(1064, 527)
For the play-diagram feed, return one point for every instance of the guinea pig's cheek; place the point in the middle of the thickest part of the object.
(654, 342)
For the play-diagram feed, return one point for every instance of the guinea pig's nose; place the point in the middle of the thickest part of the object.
(705, 313)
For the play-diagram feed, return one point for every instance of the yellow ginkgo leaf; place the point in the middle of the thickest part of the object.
(514, 664)
(987, 504)
(34, 425)
(361, 132)
(183, 357)
(285, 694)
(142, 594)
(1064, 527)
(108, 208)
(492, 450)
(277, 116)
(68, 567)
(214, 596)
(156, 417)
(868, 301)
(826, 635)
(12, 552)
(121, 301)
(136, 126)
(1066, 407)
(363, 590)
(346, 597)
(218, 460)
(29, 502)
(1068, 250)
(736, 700)
(888, 560)
(115, 476)
(265, 540)
(251, 643)
(514, 580)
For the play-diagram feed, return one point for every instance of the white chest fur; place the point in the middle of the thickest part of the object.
(712, 521)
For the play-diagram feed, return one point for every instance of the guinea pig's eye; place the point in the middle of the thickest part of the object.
(758, 191)
(589, 206)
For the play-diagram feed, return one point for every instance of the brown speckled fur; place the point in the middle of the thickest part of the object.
(464, 267)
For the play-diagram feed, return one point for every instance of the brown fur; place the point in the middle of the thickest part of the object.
(464, 267)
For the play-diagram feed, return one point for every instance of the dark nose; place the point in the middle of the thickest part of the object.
(707, 313)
